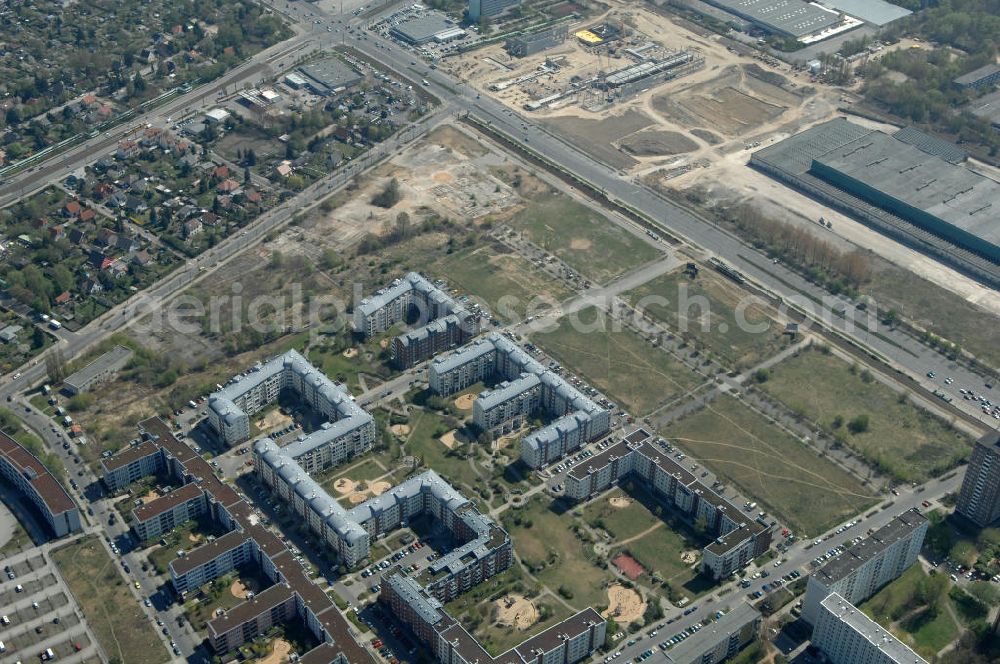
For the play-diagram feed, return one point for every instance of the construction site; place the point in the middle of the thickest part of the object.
(593, 64)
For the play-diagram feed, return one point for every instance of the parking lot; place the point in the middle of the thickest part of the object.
(38, 616)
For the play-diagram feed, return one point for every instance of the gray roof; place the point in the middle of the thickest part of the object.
(423, 28)
(507, 390)
(854, 557)
(331, 73)
(795, 154)
(112, 360)
(287, 365)
(977, 74)
(931, 144)
(468, 353)
(986, 107)
(692, 649)
(400, 287)
(427, 482)
(792, 17)
(952, 194)
(419, 600)
(875, 634)
(876, 12)
(9, 333)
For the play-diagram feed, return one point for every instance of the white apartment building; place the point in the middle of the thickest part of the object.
(858, 572)
(847, 636)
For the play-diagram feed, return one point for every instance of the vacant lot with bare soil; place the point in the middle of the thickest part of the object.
(732, 104)
(654, 143)
(596, 137)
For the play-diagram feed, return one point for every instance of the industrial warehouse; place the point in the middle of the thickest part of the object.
(906, 185)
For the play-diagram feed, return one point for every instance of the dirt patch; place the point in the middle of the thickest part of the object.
(655, 143)
(378, 488)
(384, 343)
(193, 538)
(503, 442)
(400, 429)
(580, 244)
(595, 136)
(689, 557)
(624, 605)
(358, 497)
(732, 104)
(465, 401)
(240, 588)
(279, 653)
(150, 496)
(344, 486)
(620, 501)
(452, 138)
(516, 611)
(273, 420)
(443, 177)
(448, 440)
(350, 352)
(706, 136)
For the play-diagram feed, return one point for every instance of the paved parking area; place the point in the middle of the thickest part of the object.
(39, 613)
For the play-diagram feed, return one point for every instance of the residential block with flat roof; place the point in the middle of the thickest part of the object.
(739, 538)
(859, 572)
(719, 640)
(847, 636)
(444, 322)
(527, 386)
(979, 498)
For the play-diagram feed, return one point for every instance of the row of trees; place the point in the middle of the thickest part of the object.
(822, 262)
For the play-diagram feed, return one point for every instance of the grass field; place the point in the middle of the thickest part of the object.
(765, 462)
(113, 613)
(18, 538)
(475, 608)
(901, 438)
(613, 358)
(585, 239)
(937, 310)
(550, 541)
(894, 606)
(424, 442)
(365, 471)
(506, 282)
(705, 310)
(643, 534)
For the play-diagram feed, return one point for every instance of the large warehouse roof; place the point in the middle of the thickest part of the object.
(953, 194)
(790, 17)
(795, 154)
(876, 12)
(899, 188)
